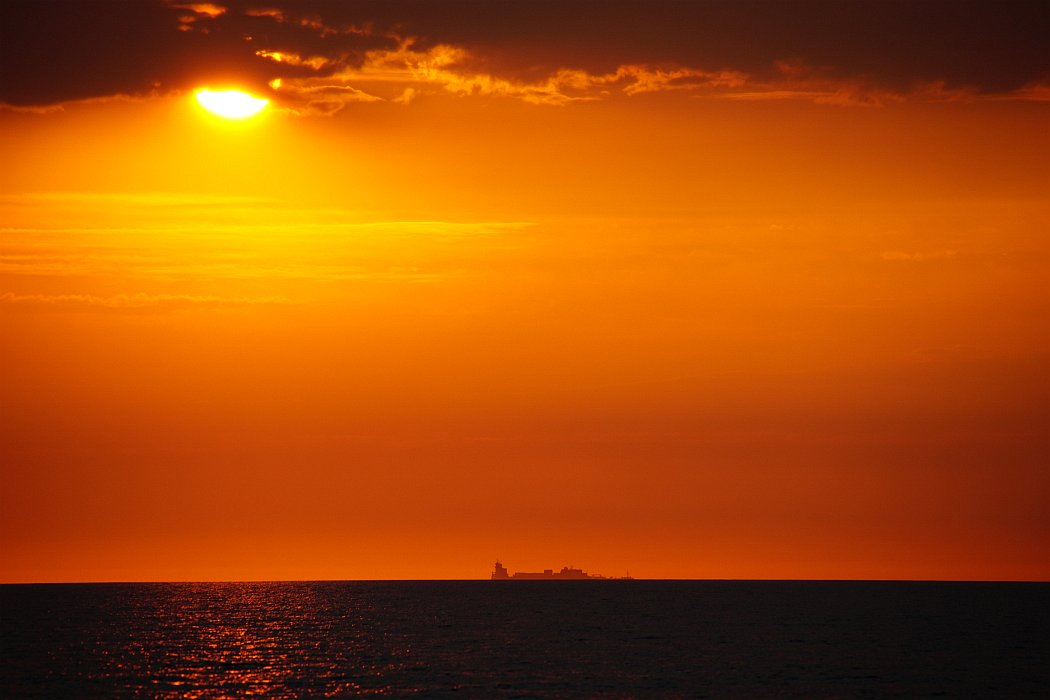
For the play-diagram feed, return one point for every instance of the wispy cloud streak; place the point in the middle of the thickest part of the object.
(407, 72)
(130, 302)
(168, 237)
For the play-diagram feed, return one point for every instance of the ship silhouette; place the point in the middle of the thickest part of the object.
(567, 573)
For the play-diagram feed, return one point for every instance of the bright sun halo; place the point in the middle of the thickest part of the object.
(231, 104)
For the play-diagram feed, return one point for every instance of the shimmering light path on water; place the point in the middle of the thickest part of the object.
(535, 639)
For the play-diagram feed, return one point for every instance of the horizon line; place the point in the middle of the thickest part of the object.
(487, 580)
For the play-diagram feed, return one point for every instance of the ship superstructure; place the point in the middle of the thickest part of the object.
(567, 573)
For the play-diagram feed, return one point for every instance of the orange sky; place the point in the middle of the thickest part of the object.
(694, 321)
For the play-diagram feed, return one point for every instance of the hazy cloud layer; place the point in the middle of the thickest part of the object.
(175, 238)
(324, 55)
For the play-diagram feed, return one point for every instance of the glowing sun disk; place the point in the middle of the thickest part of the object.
(230, 104)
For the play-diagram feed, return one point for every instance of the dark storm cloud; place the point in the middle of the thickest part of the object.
(991, 46)
(52, 52)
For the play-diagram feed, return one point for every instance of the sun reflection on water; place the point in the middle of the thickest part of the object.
(277, 640)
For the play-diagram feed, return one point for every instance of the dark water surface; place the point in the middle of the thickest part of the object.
(526, 639)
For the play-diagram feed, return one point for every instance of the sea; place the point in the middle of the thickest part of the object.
(526, 639)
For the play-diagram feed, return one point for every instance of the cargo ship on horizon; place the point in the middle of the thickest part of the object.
(567, 573)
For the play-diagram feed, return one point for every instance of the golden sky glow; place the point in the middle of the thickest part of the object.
(453, 297)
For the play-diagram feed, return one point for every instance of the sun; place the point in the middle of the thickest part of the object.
(230, 104)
